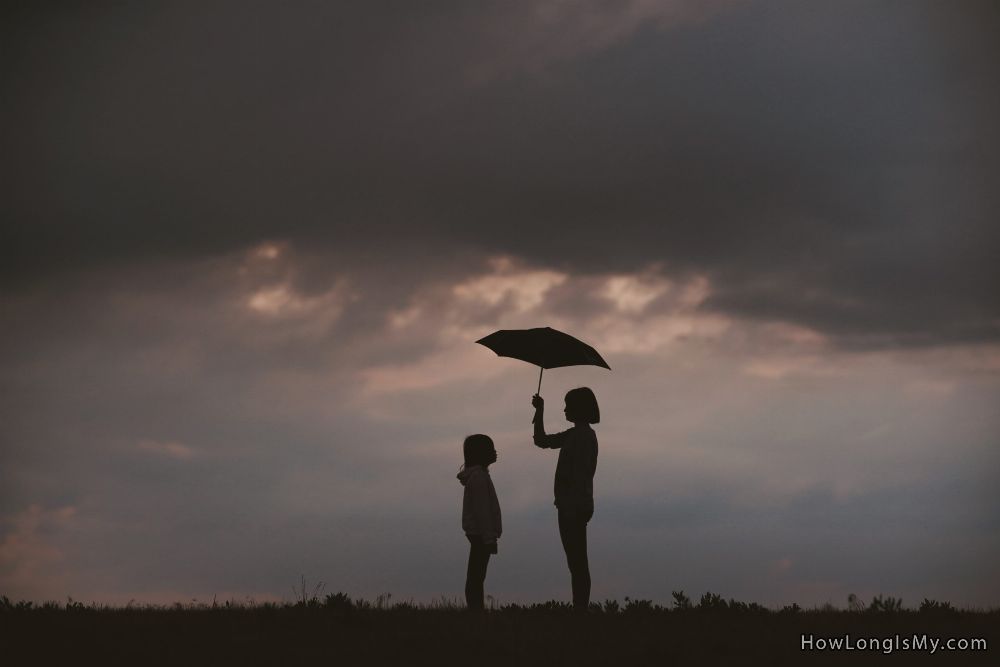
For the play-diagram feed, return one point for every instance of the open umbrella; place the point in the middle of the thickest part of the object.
(545, 347)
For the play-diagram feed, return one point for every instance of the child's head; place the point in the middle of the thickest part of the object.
(581, 406)
(479, 450)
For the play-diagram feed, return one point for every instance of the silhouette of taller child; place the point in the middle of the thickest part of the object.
(574, 482)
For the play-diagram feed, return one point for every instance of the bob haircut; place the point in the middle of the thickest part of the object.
(582, 405)
(478, 450)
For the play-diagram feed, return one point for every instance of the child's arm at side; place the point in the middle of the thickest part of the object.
(481, 509)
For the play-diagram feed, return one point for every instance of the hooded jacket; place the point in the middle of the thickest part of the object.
(480, 507)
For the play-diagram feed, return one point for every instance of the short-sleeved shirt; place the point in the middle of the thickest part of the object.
(574, 482)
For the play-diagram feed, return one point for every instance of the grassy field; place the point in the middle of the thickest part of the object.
(336, 630)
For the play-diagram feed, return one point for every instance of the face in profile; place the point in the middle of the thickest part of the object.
(479, 450)
(581, 406)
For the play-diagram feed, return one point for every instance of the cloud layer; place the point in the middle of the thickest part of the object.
(830, 166)
(180, 422)
(247, 250)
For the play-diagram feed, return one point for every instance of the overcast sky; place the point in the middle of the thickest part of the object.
(248, 247)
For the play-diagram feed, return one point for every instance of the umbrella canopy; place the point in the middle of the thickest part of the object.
(544, 347)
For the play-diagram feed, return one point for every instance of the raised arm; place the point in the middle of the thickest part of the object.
(542, 439)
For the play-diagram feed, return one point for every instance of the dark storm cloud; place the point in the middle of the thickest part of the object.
(827, 164)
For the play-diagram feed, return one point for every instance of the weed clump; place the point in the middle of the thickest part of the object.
(935, 607)
(887, 605)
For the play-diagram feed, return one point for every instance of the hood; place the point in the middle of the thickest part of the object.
(465, 473)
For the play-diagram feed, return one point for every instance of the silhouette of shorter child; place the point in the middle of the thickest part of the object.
(480, 514)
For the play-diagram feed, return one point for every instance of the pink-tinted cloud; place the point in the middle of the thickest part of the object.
(31, 561)
(167, 448)
(539, 35)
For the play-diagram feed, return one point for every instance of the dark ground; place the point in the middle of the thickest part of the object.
(337, 631)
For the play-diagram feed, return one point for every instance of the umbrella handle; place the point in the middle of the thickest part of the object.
(540, 371)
